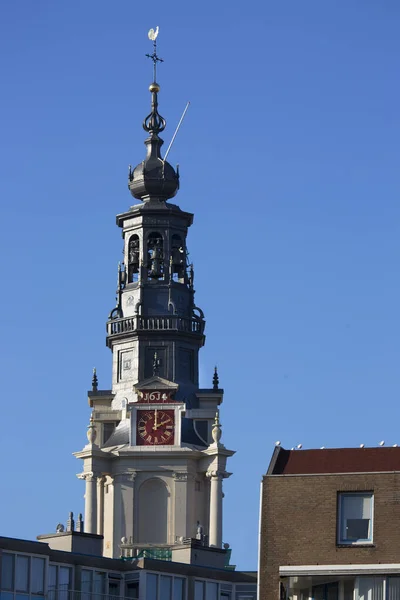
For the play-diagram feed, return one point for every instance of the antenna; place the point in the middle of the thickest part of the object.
(176, 130)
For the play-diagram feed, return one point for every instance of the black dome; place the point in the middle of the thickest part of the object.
(153, 177)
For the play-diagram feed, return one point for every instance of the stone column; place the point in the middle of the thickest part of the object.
(100, 504)
(215, 528)
(90, 501)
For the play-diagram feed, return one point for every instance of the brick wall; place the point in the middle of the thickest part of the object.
(299, 523)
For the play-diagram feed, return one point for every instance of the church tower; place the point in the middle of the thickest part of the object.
(154, 463)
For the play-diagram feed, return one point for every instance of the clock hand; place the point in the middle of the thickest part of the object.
(165, 422)
(155, 426)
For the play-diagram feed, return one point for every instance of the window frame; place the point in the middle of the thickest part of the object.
(172, 576)
(29, 593)
(340, 541)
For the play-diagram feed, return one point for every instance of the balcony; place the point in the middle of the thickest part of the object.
(137, 323)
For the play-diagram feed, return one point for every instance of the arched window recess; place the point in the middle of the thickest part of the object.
(178, 259)
(133, 258)
(155, 256)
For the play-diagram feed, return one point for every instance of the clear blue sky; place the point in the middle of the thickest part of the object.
(289, 158)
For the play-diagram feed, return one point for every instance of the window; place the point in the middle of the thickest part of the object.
(199, 590)
(151, 586)
(369, 588)
(179, 588)
(37, 576)
(7, 571)
(60, 582)
(164, 587)
(355, 518)
(206, 590)
(22, 575)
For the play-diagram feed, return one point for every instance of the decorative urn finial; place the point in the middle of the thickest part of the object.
(216, 431)
(154, 178)
(91, 431)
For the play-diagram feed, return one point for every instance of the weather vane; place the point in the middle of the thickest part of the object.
(153, 36)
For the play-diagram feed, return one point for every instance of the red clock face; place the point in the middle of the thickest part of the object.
(155, 427)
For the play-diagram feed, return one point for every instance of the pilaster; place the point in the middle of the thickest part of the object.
(123, 496)
(181, 505)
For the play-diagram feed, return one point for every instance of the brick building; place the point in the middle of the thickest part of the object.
(330, 525)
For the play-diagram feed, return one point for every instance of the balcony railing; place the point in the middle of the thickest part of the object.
(161, 323)
(68, 594)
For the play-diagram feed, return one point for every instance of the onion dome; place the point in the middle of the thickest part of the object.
(153, 178)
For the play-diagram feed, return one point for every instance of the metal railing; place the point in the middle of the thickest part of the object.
(130, 551)
(68, 594)
(156, 323)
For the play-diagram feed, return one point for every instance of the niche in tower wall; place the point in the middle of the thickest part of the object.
(178, 258)
(161, 359)
(125, 359)
(155, 256)
(185, 365)
(133, 258)
(153, 504)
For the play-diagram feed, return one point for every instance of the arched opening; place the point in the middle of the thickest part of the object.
(155, 256)
(153, 512)
(178, 258)
(133, 258)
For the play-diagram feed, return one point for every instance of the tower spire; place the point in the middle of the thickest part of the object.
(153, 178)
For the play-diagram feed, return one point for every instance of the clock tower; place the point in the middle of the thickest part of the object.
(154, 464)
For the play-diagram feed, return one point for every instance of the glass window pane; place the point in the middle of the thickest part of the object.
(64, 577)
(52, 582)
(7, 571)
(113, 589)
(151, 587)
(132, 589)
(179, 588)
(212, 591)
(356, 517)
(86, 580)
(6, 596)
(52, 577)
(86, 584)
(64, 582)
(165, 587)
(348, 589)
(21, 597)
(393, 588)
(370, 588)
(22, 574)
(199, 590)
(99, 580)
(37, 575)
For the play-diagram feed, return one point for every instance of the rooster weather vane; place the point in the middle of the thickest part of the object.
(152, 35)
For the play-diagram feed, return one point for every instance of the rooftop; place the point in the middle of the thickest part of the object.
(334, 460)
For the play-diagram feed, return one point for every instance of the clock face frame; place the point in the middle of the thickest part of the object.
(155, 427)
